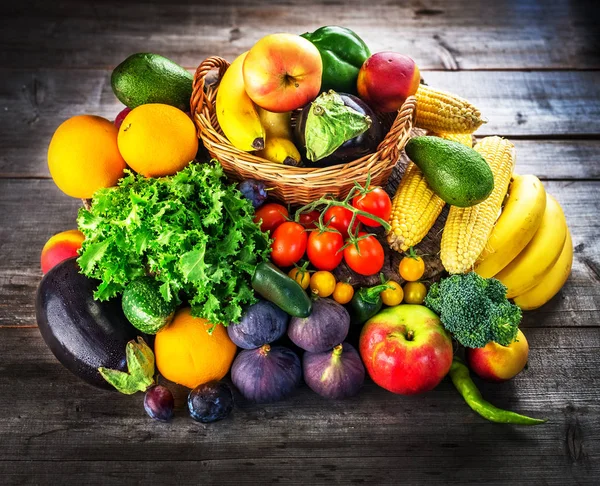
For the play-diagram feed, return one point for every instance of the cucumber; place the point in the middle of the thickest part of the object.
(144, 306)
(151, 78)
(276, 287)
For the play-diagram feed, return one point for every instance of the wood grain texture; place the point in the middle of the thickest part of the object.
(437, 34)
(33, 210)
(517, 104)
(434, 435)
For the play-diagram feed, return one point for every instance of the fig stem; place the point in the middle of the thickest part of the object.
(337, 350)
(264, 350)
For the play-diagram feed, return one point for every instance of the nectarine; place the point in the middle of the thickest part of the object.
(386, 79)
(59, 247)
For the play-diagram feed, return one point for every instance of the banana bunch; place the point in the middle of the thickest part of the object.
(530, 248)
(249, 127)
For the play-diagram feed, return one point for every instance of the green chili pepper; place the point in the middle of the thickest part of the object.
(366, 303)
(459, 373)
(343, 53)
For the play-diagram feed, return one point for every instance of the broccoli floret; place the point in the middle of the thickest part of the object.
(475, 309)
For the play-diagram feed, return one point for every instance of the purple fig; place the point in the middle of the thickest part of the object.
(326, 326)
(338, 373)
(266, 374)
(262, 323)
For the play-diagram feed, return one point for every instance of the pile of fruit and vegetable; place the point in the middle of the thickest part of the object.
(178, 275)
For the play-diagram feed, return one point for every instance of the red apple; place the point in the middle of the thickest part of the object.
(282, 72)
(406, 349)
(59, 247)
(498, 363)
(386, 79)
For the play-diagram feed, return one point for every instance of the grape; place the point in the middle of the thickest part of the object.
(210, 402)
(255, 191)
(159, 403)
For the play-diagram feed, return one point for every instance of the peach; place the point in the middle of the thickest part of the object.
(386, 79)
(282, 72)
(498, 363)
(59, 247)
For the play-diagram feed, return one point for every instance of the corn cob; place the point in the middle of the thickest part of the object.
(464, 138)
(444, 112)
(467, 230)
(414, 210)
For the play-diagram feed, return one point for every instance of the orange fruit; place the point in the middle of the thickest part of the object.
(187, 354)
(157, 140)
(83, 156)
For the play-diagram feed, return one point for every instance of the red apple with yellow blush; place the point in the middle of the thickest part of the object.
(282, 72)
(386, 79)
(498, 363)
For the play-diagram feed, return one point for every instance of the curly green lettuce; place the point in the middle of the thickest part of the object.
(191, 231)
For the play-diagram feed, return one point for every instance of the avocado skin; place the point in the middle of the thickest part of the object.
(456, 173)
(151, 78)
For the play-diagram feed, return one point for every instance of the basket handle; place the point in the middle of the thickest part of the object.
(402, 122)
(199, 99)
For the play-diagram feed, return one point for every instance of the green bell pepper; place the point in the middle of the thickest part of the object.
(343, 53)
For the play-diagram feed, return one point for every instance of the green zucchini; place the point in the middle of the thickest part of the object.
(276, 287)
(144, 306)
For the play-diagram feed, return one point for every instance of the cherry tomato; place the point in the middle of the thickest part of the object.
(411, 268)
(301, 276)
(322, 283)
(414, 292)
(289, 244)
(343, 292)
(323, 249)
(309, 220)
(368, 258)
(393, 296)
(376, 202)
(272, 215)
(339, 218)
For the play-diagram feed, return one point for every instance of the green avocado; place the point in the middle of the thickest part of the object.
(151, 78)
(456, 173)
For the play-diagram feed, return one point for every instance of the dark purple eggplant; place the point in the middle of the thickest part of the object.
(84, 334)
(364, 144)
(327, 325)
(266, 374)
(338, 373)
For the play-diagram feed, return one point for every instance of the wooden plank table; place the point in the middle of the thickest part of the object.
(533, 69)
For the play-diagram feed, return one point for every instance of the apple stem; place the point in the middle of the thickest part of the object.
(410, 335)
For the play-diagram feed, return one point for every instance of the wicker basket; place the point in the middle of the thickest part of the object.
(292, 185)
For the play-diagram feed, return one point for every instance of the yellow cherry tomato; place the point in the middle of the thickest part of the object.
(392, 296)
(301, 276)
(411, 268)
(322, 283)
(343, 292)
(414, 292)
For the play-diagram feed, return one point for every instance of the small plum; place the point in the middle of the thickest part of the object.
(210, 402)
(159, 403)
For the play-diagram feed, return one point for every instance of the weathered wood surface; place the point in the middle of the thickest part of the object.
(437, 34)
(531, 67)
(381, 432)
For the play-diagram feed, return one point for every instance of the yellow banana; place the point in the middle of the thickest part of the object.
(276, 124)
(540, 254)
(552, 282)
(236, 112)
(520, 219)
(281, 151)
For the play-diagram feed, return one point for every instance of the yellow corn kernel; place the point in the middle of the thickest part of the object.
(444, 112)
(464, 138)
(414, 210)
(467, 230)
